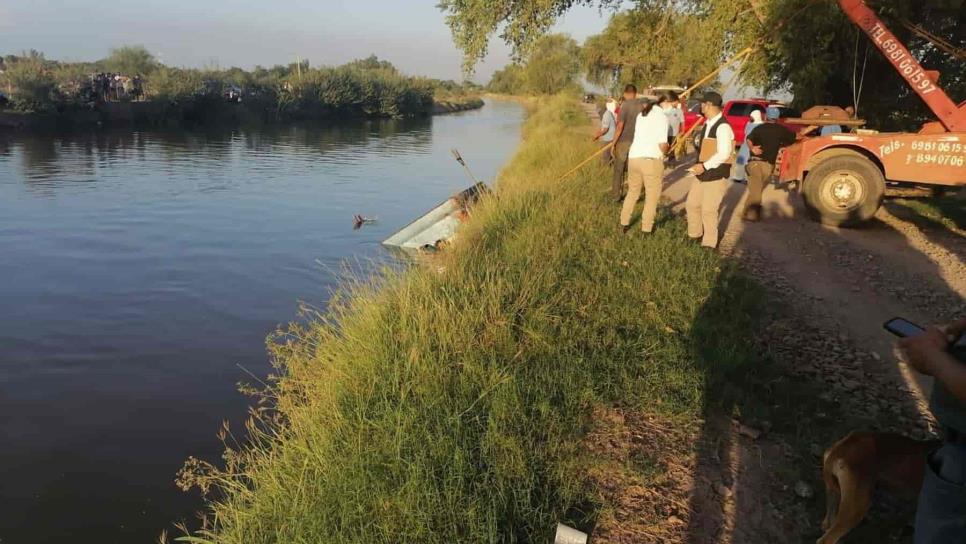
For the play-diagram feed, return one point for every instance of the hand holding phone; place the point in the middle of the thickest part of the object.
(955, 339)
(903, 328)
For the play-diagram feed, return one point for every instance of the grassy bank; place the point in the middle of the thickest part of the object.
(448, 404)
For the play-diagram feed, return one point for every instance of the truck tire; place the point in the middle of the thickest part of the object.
(843, 191)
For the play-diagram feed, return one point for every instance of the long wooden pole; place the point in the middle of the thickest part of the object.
(744, 53)
(585, 161)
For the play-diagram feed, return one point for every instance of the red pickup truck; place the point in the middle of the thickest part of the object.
(737, 113)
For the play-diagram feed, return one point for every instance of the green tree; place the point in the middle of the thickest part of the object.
(820, 70)
(814, 55)
(671, 54)
(552, 64)
(523, 23)
(130, 60)
(372, 62)
(508, 80)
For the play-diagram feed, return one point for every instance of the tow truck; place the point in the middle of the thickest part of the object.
(843, 176)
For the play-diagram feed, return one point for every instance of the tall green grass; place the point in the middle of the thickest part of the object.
(446, 403)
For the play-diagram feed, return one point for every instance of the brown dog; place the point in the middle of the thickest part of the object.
(855, 464)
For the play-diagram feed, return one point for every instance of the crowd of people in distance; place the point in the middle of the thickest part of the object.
(113, 87)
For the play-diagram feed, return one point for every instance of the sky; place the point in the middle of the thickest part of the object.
(412, 34)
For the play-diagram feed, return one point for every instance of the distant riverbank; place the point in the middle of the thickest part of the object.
(131, 87)
(162, 113)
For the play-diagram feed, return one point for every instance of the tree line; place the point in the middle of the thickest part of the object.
(809, 49)
(365, 87)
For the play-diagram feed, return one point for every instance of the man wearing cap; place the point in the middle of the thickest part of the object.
(711, 173)
(608, 126)
(763, 145)
(739, 172)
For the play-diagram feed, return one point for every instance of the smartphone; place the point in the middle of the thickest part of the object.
(903, 328)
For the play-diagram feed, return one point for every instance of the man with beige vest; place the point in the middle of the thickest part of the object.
(711, 173)
(645, 165)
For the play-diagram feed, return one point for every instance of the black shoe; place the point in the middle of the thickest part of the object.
(625, 229)
(709, 249)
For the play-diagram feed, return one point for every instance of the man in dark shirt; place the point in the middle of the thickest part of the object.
(764, 143)
(623, 137)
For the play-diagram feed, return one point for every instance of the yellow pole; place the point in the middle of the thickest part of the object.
(744, 53)
(585, 161)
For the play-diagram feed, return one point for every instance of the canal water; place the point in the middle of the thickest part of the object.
(140, 273)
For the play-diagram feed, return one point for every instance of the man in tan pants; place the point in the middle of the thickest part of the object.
(764, 144)
(645, 166)
(711, 174)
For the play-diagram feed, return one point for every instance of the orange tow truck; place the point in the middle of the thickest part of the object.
(844, 176)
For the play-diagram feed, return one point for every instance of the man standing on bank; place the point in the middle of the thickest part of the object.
(645, 167)
(711, 173)
(608, 126)
(671, 104)
(624, 136)
(763, 144)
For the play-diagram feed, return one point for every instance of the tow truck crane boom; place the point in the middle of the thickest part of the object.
(922, 81)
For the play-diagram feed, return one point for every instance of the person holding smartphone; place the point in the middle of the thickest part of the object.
(937, 352)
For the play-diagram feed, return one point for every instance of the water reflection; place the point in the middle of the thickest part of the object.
(49, 161)
(142, 272)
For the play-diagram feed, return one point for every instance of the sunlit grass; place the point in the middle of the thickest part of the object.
(446, 403)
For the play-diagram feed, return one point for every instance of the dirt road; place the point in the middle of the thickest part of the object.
(830, 291)
(849, 280)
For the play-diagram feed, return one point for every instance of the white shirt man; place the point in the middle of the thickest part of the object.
(725, 143)
(645, 166)
(711, 174)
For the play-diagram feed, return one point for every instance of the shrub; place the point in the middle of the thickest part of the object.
(31, 85)
(174, 84)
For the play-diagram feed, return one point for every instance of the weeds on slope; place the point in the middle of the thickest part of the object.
(447, 403)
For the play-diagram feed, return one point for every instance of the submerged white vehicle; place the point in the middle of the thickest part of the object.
(439, 225)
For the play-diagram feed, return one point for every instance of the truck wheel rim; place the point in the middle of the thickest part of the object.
(842, 191)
